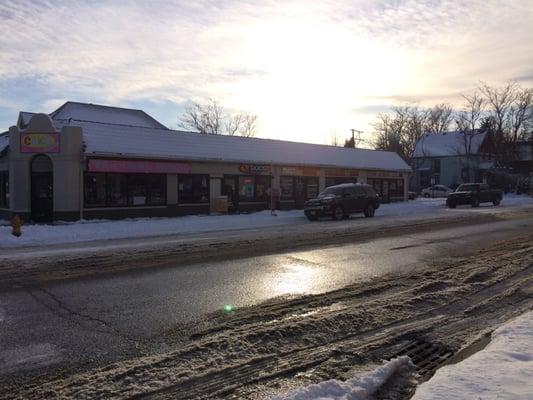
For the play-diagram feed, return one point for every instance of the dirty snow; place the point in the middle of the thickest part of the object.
(83, 231)
(357, 388)
(503, 370)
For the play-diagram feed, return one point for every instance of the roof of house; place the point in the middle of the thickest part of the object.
(122, 140)
(447, 144)
(100, 113)
(4, 142)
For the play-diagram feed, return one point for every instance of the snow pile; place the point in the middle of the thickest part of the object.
(358, 388)
(503, 370)
(84, 231)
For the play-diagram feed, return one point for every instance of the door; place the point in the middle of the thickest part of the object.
(42, 189)
(299, 191)
(360, 199)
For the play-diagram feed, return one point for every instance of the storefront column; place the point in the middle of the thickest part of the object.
(321, 181)
(172, 189)
(361, 178)
(215, 190)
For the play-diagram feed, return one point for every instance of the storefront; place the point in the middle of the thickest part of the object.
(67, 168)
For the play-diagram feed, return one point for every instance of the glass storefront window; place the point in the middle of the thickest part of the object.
(262, 184)
(95, 190)
(115, 190)
(156, 189)
(332, 181)
(286, 184)
(137, 190)
(246, 187)
(193, 188)
(311, 188)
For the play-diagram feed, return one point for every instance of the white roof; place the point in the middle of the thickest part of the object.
(113, 115)
(121, 140)
(4, 142)
(447, 144)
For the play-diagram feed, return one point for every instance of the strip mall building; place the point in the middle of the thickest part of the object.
(87, 161)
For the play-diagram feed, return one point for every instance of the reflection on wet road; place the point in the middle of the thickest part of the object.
(106, 315)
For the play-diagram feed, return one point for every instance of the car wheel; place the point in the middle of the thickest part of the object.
(496, 201)
(369, 211)
(475, 202)
(338, 213)
(452, 205)
(312, 217)
(426, 195)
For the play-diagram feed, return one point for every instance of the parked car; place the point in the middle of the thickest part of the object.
(340, 201)
(412, 195)
(436, 191)
(474, 194)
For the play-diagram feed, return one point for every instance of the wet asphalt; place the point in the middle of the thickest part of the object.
(93, 321)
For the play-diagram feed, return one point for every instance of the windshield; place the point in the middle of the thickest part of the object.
(467, 188)
(327, 192)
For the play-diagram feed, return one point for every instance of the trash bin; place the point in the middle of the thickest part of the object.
(221, 204)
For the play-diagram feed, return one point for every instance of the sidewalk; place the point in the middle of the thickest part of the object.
(88, 231)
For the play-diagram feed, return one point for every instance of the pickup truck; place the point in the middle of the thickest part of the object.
(474, 194)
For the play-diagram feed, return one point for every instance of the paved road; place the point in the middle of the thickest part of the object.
(93, 321)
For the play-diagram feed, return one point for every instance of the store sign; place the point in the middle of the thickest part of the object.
(138, 166)
(341, 172)
(382, 174)
(300, 171)
(39, 143)
(255, 169)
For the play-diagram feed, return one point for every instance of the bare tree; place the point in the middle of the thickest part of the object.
(509, 117)
(334, 139)
(468, 121)
(400, 131)
(212, 119)
(438, 118)
(248, 126)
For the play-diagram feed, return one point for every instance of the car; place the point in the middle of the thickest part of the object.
(412, 195)
(436, 191)
(474, 194)
(340, 201)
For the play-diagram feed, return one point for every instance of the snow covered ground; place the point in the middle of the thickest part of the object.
(34, 235)
(358, 388)
(503, 370)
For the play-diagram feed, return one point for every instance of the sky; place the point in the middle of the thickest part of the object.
(308, 69)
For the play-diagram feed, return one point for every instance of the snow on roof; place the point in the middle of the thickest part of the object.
(107, 114)
(447, 144)
(24, 119)
(113, 139)
(4, 142)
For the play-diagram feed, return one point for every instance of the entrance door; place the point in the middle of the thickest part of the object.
(42, 189)
(299, 191)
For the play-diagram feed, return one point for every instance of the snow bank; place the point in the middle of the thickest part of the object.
(83, 231)
(358, 388)
(503, 370)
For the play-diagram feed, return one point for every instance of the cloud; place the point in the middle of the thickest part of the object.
(305, 68)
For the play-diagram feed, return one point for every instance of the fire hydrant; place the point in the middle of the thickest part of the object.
(16, 225)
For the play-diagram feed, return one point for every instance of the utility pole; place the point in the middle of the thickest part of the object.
(358, 139)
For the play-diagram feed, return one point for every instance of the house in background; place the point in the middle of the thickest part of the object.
(451, 158)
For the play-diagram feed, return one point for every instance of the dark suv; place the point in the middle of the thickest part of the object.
(342, 200)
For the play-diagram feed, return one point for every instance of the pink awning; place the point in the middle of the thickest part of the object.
(138, 166)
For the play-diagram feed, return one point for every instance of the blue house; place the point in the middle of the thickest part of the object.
(451, 158)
